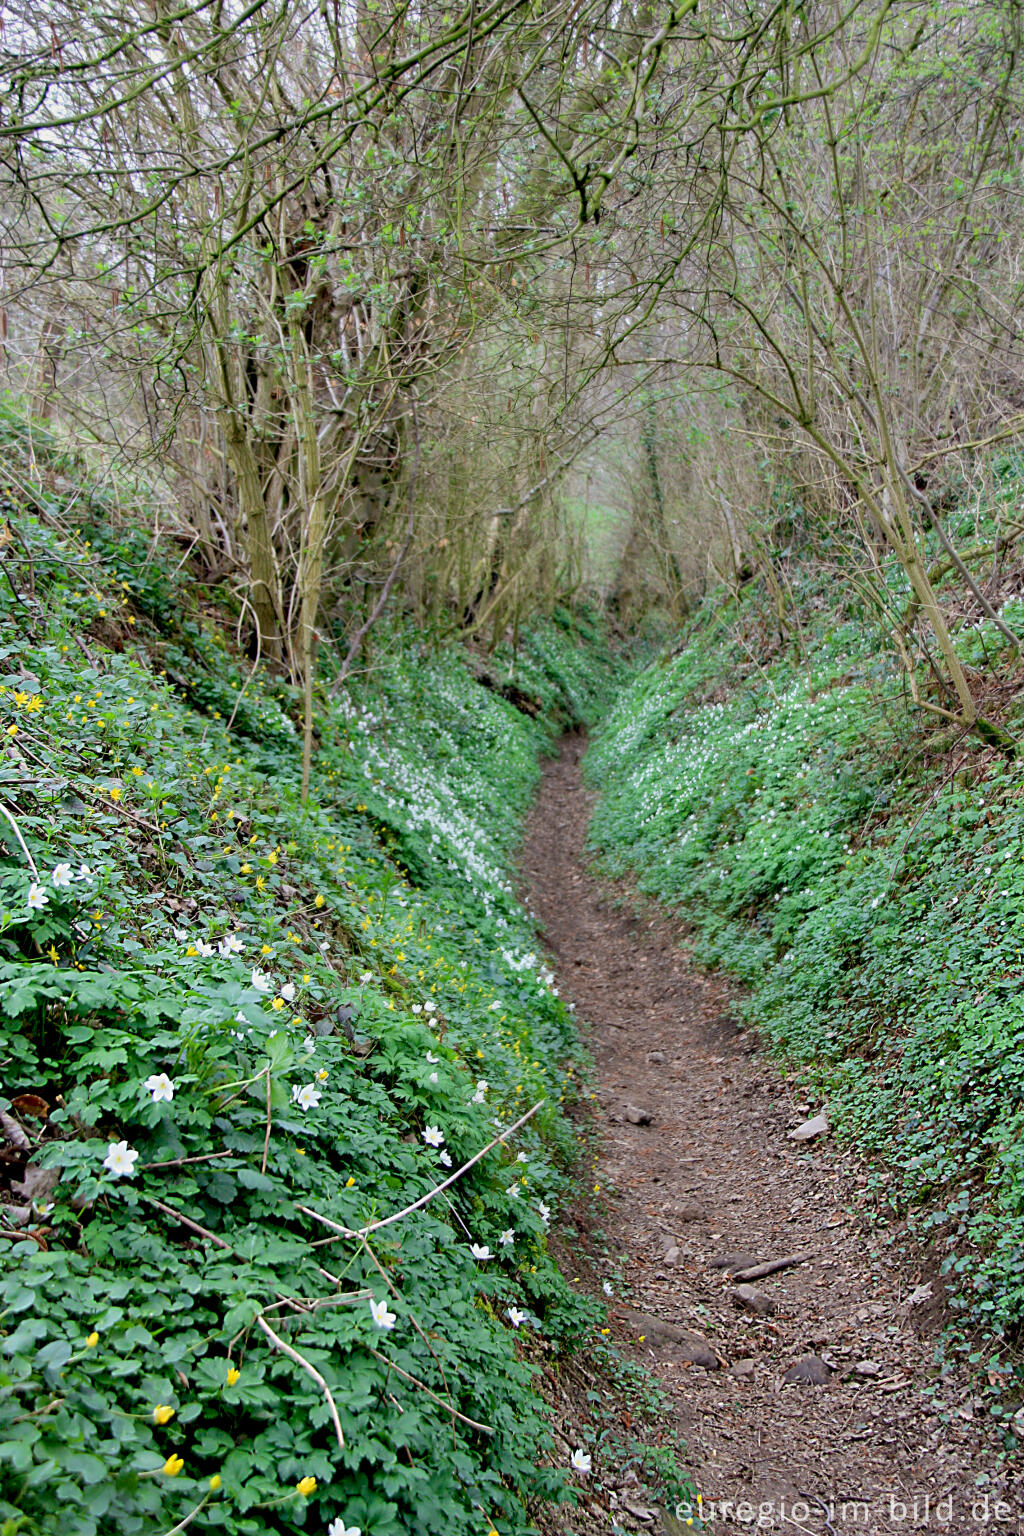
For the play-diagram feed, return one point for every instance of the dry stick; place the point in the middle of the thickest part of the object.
(758, 1271)
(24, 846)
(386, 1221)
(266, 1139)
(311, 1370)
(187, 1221)
(487, 1428)
(179, 1162)
(412, 1318)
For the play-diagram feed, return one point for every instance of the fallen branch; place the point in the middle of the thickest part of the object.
(179, 1162)
(311, 1370)
(416, 1205)
(487, 1428)
(186, 1221)
(758, 1271)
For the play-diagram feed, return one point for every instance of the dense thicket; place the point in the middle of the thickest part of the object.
(396, 298)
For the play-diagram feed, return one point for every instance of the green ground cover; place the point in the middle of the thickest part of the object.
(868, 894)
(237, 1010)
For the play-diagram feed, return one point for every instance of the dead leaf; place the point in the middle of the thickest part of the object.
(14, 1134)
(31, 1104)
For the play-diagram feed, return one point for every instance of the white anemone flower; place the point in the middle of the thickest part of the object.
(445, 1158)
(261, 981)
(120, 1160)
(288, 991)
(380, 1314)
(160, 1086)
(433, 1136)
(581, 1461)
(544, 1212)
(306, 1097)
(339, 1528)
(61, 876)
(37, 898)
(480, 1251)
(517, 1316)
(508, 1237)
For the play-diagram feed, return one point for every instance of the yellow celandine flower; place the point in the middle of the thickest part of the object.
(349, 1182)
(92, 1341)
(266, 950)
(12, 730)
(261, 883)
(172, 1466)
(115, 793)
(137, 771)
(318, 900)
(246, 869)
(162, 1414)
(306, 1486)
(215, 1482)
(278, 1002)
(233, 1375)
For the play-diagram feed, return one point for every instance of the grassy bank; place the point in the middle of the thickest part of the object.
(865, 885)
(239, 1031)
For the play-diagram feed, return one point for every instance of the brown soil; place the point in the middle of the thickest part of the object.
(714, 1173)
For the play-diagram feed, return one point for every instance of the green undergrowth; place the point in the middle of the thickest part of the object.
(236, 1032)
(868, 894)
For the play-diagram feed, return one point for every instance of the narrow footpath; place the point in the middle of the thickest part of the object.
(803, 1396)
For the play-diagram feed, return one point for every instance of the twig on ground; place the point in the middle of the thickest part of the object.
(266, 1139)
(179, 1162)
(416, 1205)
(758, 1271)
(311, 1370)
(487, 1428)
(24, 846)
(186, 1221)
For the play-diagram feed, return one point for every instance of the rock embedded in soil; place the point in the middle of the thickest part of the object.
(750, 1299)
(809, 1129)
(689, 1212)
(668, 1341)
(741, 1368)
(637, 1116)
(811, 1371)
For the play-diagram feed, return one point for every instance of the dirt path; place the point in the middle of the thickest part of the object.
(712, 1174)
